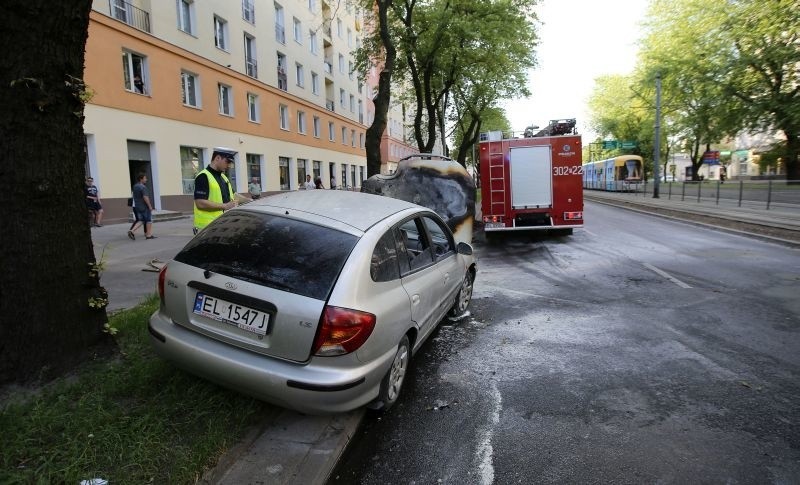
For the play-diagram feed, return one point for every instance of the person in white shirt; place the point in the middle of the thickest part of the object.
(309, 185)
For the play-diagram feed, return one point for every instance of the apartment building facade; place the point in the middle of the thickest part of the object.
(272, 80)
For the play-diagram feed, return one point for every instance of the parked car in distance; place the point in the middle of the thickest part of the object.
(312, 300)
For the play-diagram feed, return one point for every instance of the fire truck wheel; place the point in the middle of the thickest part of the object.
(464, 296)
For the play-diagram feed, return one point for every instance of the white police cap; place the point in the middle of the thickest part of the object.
(226, 153)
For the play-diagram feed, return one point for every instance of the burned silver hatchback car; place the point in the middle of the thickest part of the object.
(312, 300)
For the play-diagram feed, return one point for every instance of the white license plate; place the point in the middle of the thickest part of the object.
(224, 311)
(492, 225)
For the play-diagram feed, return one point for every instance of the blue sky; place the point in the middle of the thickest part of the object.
(579, 41)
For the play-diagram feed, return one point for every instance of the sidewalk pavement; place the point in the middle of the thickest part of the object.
(286, 448)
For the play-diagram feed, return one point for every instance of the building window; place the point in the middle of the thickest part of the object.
(191, 159)
(254, 170)
(360, 111)
(350, 70)
(312, 5)
(250, 63)
(133, 71)
(249, 11)
(331, 134)
(339, 27)
(361, 175)
(253, 112)
(190, 86)
(341, 64)
(353, 138)
(301, 122)
(349, 38)
(317, 127)
(283, 82)
(314, 83)
(312, 42)
(225, 101)
(344, 135)
(353, 175)
(186, 16)
(343, 183)
(298, 30)
(352, 104)
(283, 165)
(280, 31)
(301, 172)
(317, 169)
(342, 100)
(220, 33)
(361, 140)
(284, 116)
(300, 75)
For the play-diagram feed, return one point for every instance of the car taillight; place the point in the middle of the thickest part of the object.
(162, 275)
(342, 331)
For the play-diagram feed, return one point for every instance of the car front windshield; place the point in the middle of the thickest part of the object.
(274, 251)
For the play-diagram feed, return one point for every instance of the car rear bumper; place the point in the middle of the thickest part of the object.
(311, 388)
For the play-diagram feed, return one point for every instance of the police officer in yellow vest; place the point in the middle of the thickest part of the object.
(213, 193)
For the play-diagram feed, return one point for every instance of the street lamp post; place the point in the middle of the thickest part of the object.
(657, 141)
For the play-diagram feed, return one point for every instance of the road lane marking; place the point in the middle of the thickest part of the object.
(666, 275)
(485, 450)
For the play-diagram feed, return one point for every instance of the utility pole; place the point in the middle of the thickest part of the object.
(657, 141)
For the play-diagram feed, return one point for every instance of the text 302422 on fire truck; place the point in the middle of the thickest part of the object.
(532, 182)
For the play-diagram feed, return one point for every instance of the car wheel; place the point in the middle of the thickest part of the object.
(392, 382)
(464, 296)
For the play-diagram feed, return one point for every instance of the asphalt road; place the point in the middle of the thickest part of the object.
(637, 350)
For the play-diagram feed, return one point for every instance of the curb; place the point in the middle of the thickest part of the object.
(290, 449)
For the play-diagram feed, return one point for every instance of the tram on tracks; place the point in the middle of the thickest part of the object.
(624, 173)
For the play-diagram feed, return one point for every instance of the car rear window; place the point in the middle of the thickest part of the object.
(274, 251)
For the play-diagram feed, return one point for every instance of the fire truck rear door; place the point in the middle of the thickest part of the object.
(531, 177)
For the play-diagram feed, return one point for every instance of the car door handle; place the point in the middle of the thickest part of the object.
(415, 299)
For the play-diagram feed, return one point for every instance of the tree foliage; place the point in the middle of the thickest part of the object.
(727, 66)
(455, 59)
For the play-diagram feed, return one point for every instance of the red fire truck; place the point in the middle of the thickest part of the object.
(533, 182)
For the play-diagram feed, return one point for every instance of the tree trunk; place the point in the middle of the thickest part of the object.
(372, 144)
(46, 252)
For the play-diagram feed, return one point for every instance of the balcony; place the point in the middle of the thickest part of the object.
(330, 105)
(131, 15)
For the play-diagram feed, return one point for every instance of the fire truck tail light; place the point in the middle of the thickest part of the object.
(573, 216)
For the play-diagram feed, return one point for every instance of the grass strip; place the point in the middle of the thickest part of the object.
(133, 418)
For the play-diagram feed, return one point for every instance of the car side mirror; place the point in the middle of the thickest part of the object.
(464, 248)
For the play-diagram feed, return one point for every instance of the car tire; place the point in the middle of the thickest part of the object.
(392, 382)
(464, 296)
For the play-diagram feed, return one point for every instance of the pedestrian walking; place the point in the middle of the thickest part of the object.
(318, 183)
(142, 209)
(333, 182)
(93, 203)
(309, 185)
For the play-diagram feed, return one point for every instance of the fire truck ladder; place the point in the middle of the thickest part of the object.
(497, 179)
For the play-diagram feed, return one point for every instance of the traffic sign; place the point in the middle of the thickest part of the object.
(609, 144)
(628, 144)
